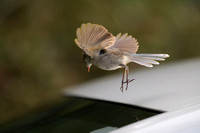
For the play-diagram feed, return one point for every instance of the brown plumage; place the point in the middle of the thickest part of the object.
(93, 37)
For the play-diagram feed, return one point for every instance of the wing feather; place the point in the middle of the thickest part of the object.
(91, 37)
(125, 43)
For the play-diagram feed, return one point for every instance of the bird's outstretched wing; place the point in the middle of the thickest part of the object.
(125, 43)
(93, 37)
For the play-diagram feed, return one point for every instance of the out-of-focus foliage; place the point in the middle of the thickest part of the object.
(38, 55)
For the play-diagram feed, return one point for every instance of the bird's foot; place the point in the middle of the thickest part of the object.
(126, 82)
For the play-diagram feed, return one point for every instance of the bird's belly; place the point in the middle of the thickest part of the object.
(109, 62)
(109, 67)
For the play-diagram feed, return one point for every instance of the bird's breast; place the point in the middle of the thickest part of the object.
(109, 68)
(109, 62)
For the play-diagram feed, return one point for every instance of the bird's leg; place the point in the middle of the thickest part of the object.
(126, 71)
(127, 80)
(122, 85)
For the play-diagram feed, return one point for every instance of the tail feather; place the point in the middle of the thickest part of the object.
(148, 60)
(151, 61)
(142, 63)
(152, 55)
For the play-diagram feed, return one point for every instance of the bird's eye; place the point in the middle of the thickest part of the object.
(102, 51)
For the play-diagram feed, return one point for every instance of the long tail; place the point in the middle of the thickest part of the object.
(148, 60)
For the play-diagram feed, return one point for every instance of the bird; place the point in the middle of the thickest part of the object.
(108, 52)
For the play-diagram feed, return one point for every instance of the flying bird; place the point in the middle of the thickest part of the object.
(109, 52)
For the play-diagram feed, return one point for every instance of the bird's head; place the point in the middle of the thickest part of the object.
(87, 61)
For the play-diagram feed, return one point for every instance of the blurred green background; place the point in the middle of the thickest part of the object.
(38, 56)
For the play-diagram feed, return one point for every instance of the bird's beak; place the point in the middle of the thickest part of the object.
(88, 68)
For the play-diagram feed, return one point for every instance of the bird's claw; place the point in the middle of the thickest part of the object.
(126, 82)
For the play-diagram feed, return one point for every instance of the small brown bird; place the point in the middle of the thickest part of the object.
(109, 52)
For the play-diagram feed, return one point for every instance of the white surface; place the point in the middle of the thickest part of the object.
(180, 121)
(104, 130)
(166, 87)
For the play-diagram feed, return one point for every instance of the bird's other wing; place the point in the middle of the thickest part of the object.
(93, 37)
(125, 43)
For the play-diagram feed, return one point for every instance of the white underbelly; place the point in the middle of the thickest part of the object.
(109, 68)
